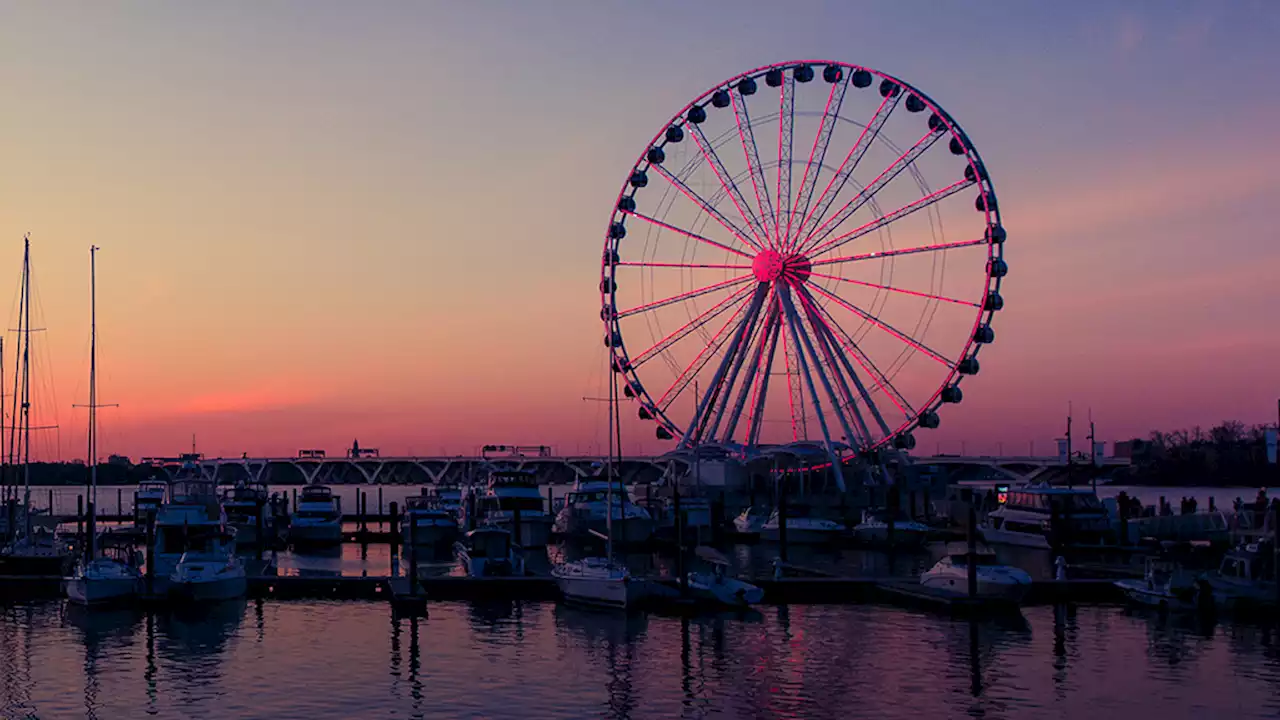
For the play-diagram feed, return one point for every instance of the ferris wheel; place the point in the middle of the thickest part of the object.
(809, 252)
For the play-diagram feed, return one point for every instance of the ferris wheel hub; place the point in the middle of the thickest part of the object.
(772, 266)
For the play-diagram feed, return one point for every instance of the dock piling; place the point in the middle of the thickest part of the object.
(971, 565)
(380, 515)
(413, 556)
(295, 500)
(151, 552)
(782, 519)
(515, 525)
(89, 538)
(119, 502)
(362, 506)
(79, 512)
(51, 512)
(395, 526)
(551, 505)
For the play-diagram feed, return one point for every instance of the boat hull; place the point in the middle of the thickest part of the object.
(987, 589)
(610, 592)
(227, 588)
(1138, 592)
(629, 531)
(801, 535)
(101, 591)
(724, 591)
(48, 564)
(429, 535)
(319, 534)
(992, 536)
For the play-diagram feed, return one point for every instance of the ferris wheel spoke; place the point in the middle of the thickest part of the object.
(749, 382)
(752, 337)
(686, 233)
(886, 327)
(850, 163)
(818, 153)
(692, 266)
(686, 376)
(786, 132)
(684, 296)
(683, 331)
(699, 422)
(796, 334)
(709, 208)
(756, 417)
(868, 366)
(747, 135)
(833, 345)
(940, 247)
(726, 181)
(893, 216)
(791, 367)
(891, 288)
(868, 192)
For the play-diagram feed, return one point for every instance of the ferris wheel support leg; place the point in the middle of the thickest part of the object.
(829, 351)
(749, 319)
(822, 376)
(757, 408)
(793, 325)
(766, 335)
(744, 349)
(825, 329)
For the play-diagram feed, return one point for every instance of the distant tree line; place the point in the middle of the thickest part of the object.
(77, 473)
(1230, 454)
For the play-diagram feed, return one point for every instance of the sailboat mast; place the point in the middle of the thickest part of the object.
(608, 501)
(26, 383)
(93, 376)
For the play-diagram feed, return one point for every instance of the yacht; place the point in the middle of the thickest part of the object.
(995, 581)
(189, 518)
(147, 499)
(246, 507)
(874, 529)
(598, 581)
(584, 516)
(209, 570)
(751, 521)
(426, 522)
(449, 495)
(318, 520)
(1026, 518)
(507, 492)
(488, 551)
(802, 527)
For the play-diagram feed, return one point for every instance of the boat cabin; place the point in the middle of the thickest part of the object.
(1248, 563)
(983, 556)
(316, 494)
(488, 542)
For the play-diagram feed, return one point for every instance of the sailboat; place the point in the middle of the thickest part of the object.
(601, 580)
(34, 548)
(106, 574)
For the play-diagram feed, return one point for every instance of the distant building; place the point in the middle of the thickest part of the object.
(122, 460)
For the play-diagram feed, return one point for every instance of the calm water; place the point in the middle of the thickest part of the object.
(321, 660)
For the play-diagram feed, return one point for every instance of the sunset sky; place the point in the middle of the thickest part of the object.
(323, 221)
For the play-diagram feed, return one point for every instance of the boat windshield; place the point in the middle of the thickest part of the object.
(1048, 502)
(490, 544)
(523, 504)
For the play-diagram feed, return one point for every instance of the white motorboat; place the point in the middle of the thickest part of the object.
(1245, 580)
(584, 514)
(995, 581)
(105, 579)
(1164, 585)
(597, 581)
(751, 521)
(510, 493)
(318, 520)
(246, 507)
(209, 572)
(426, 523)
(488, 551)
(718, 586)
(802, 527)
(190, 518)
(147, 499)
(449, 496)
(1026, 518)
(874, 530)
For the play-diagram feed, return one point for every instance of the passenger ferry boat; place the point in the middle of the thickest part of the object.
(584, 511)
(1025, 518)
(508, 491)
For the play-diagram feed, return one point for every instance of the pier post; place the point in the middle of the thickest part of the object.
(119, 503)
(88, 537)
(515, 525)
(681, 572)
(260, 534)
(151, 552)
(971, 566)
(380, 516)
(413, 556)
(51, 502)
(551, 505)
(928, 510)
(895, 504)
(79, 512)
(782, 518)
(295, 501)
(362, 507)
(395, 526)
